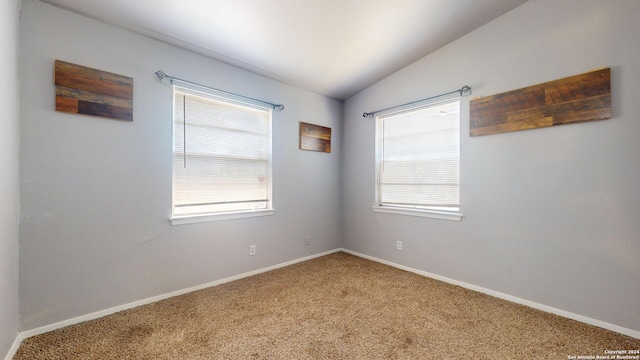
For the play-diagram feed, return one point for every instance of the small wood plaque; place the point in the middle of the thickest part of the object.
(579, 98)
(87, 91)
(315, 137)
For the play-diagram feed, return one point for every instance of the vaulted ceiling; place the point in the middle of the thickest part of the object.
(332, 47)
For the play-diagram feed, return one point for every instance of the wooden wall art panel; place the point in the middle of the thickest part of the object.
(579, 98)
(315, 138)
(87, 91)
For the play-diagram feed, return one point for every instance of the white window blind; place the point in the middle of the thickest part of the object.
(221, 155)
(418, 158)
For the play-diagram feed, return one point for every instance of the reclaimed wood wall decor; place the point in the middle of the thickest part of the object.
(579, 98)
(315, 138)
(87, 91)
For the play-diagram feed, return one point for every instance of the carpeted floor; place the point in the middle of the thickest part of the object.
(334, 307)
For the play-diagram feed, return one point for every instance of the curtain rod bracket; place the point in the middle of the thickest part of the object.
(167, 79)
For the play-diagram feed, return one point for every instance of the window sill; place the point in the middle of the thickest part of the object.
(192, 219)
(442, 215)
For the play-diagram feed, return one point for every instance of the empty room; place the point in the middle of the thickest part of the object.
(320, 179)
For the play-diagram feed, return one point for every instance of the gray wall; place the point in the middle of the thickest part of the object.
(551, 215)
(9, 184)
(96, 193)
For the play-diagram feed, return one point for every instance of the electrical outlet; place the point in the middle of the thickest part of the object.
(307, 240)
(399, 245)
(252, 250)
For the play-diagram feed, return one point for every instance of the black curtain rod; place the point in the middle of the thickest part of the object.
(164, 77)
(465, 90)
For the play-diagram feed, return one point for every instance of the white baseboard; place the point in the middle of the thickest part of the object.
(14, 347)
(514, 299)
(98, 314)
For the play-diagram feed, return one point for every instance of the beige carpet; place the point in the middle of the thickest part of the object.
(334, 307)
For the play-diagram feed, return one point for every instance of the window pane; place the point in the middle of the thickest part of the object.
(419, 158)
(221, 156)
(215, 180)
(215, 141)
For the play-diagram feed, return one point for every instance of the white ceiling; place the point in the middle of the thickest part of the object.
(332, 47)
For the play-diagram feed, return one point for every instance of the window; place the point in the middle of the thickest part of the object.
(418, 161)
(221, 158)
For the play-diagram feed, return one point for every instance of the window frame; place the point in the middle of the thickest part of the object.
(409, 210)
(181, 219)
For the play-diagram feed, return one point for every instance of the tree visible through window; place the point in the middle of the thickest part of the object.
(418, 158)
(221, 155)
